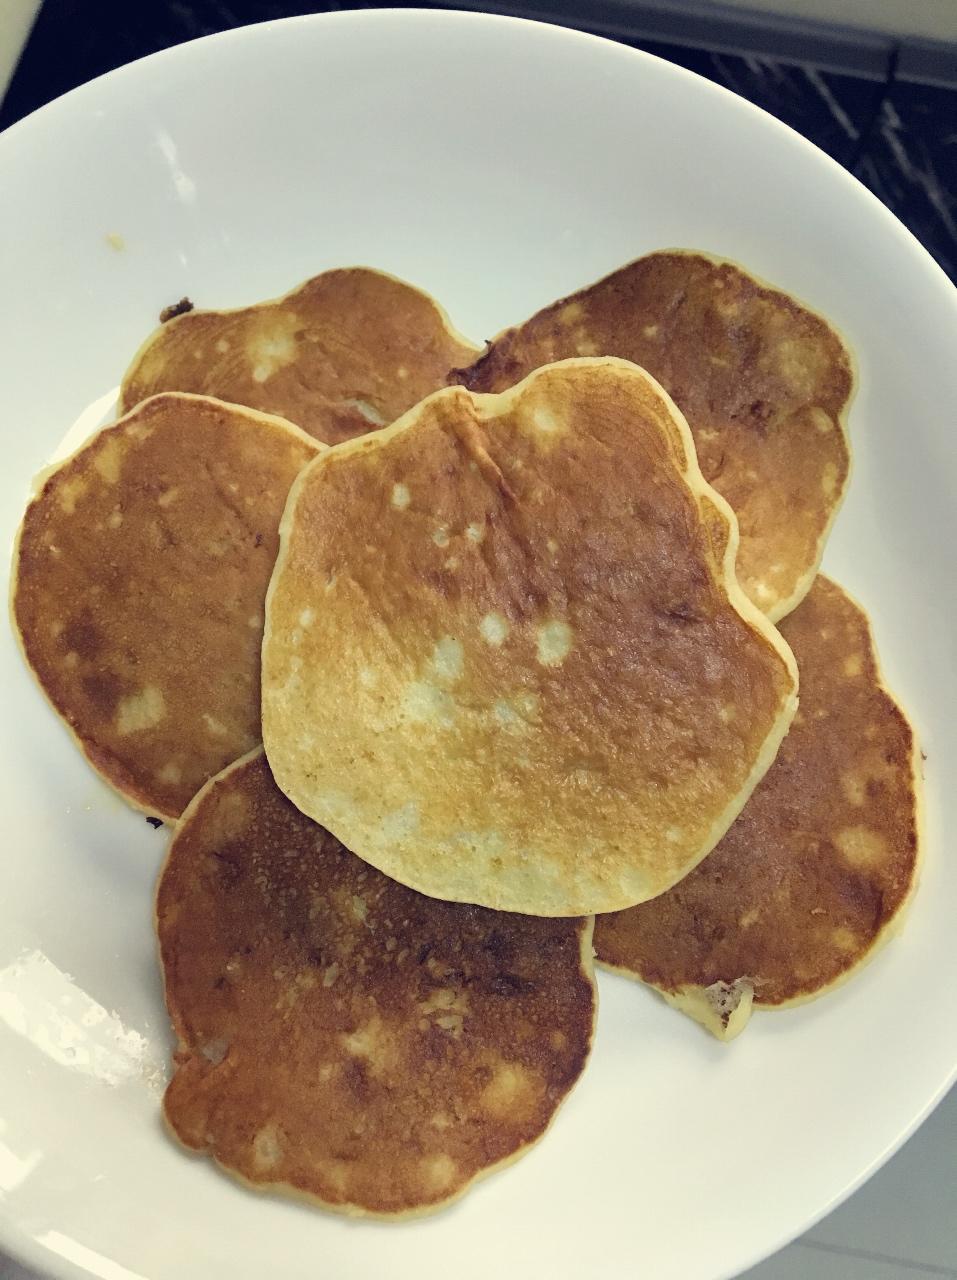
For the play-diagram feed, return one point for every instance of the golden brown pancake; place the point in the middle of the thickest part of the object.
(763, 382)
(815, 872)
(342, 1038)
(140, 581)
(343, 354)
(503, 661)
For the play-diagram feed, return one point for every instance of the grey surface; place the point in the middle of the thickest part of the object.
(756, 33)
(902, 1225)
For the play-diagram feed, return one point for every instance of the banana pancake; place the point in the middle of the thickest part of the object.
(506, 657)
(344, 353)
(763, 382)
(342, 1038)
(140, 582)
(815, 873)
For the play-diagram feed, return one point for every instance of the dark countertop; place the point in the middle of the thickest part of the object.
(898, 137)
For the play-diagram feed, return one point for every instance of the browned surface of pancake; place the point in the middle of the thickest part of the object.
(763, 382)
(343, 1038)
(504, 661)
(824, 856)
(343, 354)
(141, 576)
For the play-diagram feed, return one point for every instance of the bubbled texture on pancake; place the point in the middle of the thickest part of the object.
(141, 578)
(501, 662)
(762, 381)
(345, 353)
(824, 855)
(342, 1037)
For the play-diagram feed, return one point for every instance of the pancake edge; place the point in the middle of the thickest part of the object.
(275, 302)
(749, 612)
(286, 1190)
(37, 486)
(487, 404)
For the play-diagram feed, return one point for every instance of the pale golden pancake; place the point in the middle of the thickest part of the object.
(140, 581)
(815, 872)
(503, 661)
(763, 381)
(343, 354)
(342, 1038)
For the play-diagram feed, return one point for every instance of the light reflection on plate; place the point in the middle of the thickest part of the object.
(45, 1006)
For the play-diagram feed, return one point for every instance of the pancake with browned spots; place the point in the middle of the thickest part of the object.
(342, 354)
(342, 1038)
(506, 657)
(763, 381)
(140, 582)
(816, 871)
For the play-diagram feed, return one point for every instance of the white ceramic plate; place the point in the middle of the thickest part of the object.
(498, 164)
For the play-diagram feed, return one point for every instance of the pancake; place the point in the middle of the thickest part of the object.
(140, 582)
(548, 693)
(341, 1038)
(815, 873)
(763, 382)
(343, 354)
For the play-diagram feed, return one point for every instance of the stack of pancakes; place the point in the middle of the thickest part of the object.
(454, 669)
